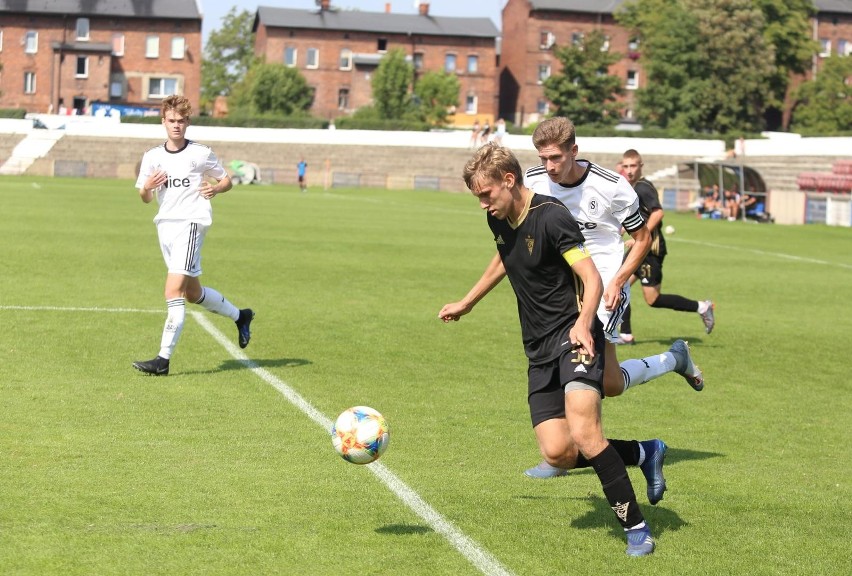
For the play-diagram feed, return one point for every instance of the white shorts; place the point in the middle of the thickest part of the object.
(181, 242)
(611, 319)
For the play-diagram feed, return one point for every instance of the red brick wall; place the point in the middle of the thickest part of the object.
(56, 76)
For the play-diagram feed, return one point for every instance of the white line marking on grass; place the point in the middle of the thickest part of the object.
(766, 253)
(474, 553)
(78, 309)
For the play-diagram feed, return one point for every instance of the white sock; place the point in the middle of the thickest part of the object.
(214, 302)
(703, 305)
(636, 372)
(173, 327)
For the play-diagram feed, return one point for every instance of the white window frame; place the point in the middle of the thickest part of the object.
(577, 38)
(471, 104)
(844, 47)
(178, 48)
(825, 47)
(1, 39)
(605, 45)
(31, 42)
(295, 52)
(418, 60)
(343, 94)
(451, 57)
(163, 88)
(81, 29)
(345, 59)
(546, 40)
(632, 82)
(312, 58)
(118, 44)
(472, 66)
(152, 46)
(29, 82)
(542, 107)
(84, 60)
(544, 71)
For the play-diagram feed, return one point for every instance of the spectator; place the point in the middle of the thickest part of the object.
(474, 133)
(732, 204)
(500, 131)
(485, 134)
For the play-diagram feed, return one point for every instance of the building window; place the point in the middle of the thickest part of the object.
(824, 47)
(844, 47)
(346, 59)
(152, 47)
(543, 72)
(470, 104)
(82, 70)
(82, 28)
(546, 40)
(31, 42)
(605, 45)
(290, 54)
(472, 64)
(577, 38)
(633, 44)
(418, 60)
(161, 87)
(118, 44)
(312, 58)
(450, 63)
(632, 80)
(343, 99)
(116, 89)
(178, 48)
(29, 82)
(382, 45)
(542, 107)
(1, 39)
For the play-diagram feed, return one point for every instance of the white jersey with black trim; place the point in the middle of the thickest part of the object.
(602, 202)
(178, 197)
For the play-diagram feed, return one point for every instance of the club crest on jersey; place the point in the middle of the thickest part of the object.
(530, 244)
(594, 207)
(194, 164)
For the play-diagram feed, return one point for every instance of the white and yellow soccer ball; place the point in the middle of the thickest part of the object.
(360, 435)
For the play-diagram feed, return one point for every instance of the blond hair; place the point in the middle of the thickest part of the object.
(489, 164)
(179, 104)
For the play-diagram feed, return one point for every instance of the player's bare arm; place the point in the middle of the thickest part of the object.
(641, 244)
(581, 333)
(208, 190)
(154, 181)
(492, 276)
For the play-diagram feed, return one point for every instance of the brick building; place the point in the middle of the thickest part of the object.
(69, 54)
(337, 51)
(531, 28)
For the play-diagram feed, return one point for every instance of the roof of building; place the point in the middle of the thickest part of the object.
(841, 6)
(593, 6)
(174, 9)
(382, 22)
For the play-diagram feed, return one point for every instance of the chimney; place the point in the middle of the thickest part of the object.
(387, 7)
(424, 8)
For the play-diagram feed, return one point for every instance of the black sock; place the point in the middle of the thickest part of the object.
(675, 302)
(617, 488)
(628, 450)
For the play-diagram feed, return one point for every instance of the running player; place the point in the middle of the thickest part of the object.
(650, 271)
(558, 289)
(177, 171)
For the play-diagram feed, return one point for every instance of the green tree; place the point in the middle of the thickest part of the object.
(276, 89)
(584, 90)
(706, 63)
(391, 86)
(436, 92)
(825, 103)
(788, 31)
(228, 55)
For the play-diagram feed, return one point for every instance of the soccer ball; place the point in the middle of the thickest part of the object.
(670, 229)
(360, 435)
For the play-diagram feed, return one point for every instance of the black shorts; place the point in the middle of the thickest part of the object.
(650, 272)
(546, 388)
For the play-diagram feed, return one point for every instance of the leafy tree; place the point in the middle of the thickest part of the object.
(706, 63)
(228, 55)
(391, 84)
(584, 90)
(274, 89)
(436, 93)
(825, 103)
(788, 31)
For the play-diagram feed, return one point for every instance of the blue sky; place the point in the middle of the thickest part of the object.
(214, 10)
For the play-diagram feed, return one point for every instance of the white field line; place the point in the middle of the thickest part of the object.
(78, 309)
(780, 255)
(474, 553)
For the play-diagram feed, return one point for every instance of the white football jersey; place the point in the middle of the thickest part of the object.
(602, 202)
(178, 197)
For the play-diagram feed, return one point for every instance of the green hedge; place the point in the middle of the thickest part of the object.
(18, 113)
(239, 122)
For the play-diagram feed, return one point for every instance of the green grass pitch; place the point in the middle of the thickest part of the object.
(213, 471)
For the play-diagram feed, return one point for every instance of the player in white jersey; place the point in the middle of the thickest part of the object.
(179, 172)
